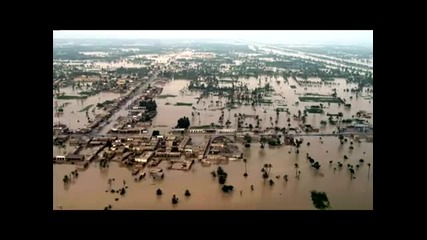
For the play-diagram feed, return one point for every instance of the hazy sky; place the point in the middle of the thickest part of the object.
(288, 36)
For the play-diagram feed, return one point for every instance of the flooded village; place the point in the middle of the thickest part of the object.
(210, 126)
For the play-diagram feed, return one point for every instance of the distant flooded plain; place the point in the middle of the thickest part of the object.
(88, 190)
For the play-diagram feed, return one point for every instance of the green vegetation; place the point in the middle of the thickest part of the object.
(330, 99)
(231, 106)
(340, 114)
(275, 141)
(70, 97)
(88, 93)
(78, 73)
(155, 133)
(222, 175)
(266, 101)
(226, 81)
(320, 200)
(183, 122)
(174, 199)
(150, 105)
(314, 109)
(266, 170)
(183, 104)
(205, 126)
(103, 104)
(86, 108)
(166, 96)
(227, 188)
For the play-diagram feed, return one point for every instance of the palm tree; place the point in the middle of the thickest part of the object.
(65, 179)
(351, 172)
(369, 170)
(187, 193)
(159, 192)
(174, 199)
(296, 169)
(246, 170)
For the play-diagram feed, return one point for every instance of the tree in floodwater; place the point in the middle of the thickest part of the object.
(246, 170)
(247, 138)
(183, 122)
(227, 188)
(65, 179)
(369, 168)
(174, 199)
(320, 200)
(351, 172)
(296, 169)
(222, 179)
(266, 170)
(159, 192)
(187, 193)
(316, 165)
(222, 175)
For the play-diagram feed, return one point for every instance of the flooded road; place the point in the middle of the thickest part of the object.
(88, 189)
(123, 110)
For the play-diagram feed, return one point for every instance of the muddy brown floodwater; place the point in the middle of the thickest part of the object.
(87, 191)
(72, 115)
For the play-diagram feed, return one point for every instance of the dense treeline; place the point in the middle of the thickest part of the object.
(141, 72)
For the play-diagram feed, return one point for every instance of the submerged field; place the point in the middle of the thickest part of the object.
(88, 190)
